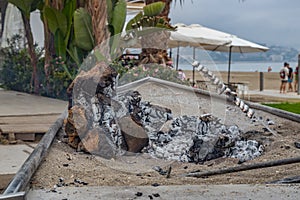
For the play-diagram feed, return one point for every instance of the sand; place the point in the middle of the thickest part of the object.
(271, 80)
(64, 163)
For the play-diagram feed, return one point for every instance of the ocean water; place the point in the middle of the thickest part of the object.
(241, 66)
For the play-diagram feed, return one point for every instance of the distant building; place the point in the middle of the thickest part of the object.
(11, 21)
(276, 58)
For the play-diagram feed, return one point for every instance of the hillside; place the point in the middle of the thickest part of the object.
(275, 54)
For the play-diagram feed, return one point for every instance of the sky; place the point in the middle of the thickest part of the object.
(266, 22)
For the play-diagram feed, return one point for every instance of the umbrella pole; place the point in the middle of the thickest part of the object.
(194, 56)
(177, 58)
(298, 90)
(194, 53)
(229, 63)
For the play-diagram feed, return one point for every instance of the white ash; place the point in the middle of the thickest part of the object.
(188, 139)
(245, 150)
(191, 139)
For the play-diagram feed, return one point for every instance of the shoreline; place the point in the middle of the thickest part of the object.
(241, 66)
(271, 80)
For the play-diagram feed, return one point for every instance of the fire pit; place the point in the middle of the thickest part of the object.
(110, 123)
(176, 104)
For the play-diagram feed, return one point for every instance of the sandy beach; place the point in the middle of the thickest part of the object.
(251, 79)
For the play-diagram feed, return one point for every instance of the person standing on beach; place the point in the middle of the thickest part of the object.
(269, 69)
(296, 79)
(181, 75)
(284, 71)
(290, 78)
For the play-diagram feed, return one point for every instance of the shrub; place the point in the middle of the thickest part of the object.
(16, 72)
(151, 70)
(58, 80)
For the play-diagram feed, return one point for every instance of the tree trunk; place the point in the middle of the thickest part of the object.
(58, 4)
(49, 49)
(156, 49)
(3, 6)
(32, 53)
(98, 11)
(48, 55)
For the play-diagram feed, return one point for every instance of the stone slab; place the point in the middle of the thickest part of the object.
(25, 128)
(184, 192)
(33, 119)
(22, 113)
(12, 158)
(17, 103)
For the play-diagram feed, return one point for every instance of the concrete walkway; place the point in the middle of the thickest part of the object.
(185, 192)
(12, 158)
(24, 115)
(21, 117)
(275, 93)
(17, 103)
(271, 96)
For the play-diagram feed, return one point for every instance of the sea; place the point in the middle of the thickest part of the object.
(240, 66)
(186, 58)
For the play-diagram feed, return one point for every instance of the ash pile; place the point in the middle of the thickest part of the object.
(186, 138)
(108, 124)
(125, 124)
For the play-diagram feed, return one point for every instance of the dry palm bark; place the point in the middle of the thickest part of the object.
(98, 11)
(155, 45)
(155, 48)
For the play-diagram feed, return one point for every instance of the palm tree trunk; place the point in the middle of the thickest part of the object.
(98, 11)
(32, 53)
(157, 54)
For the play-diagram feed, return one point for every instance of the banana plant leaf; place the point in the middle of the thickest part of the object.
(56, 20)
(68, 11)
(26, 6)
(60, 45)
(118, 17)
(153, 9)
(83, 29)
(134, 20)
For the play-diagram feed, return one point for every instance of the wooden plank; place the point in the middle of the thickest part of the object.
(25, 136)
(37, 119)
(25, 128)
